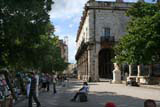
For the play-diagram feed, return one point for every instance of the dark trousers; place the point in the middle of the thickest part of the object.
(32, 94)
(77, 94)
(47, 86)
(54, 88)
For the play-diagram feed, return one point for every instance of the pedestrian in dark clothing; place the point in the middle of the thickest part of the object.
(47, 82)
(44, 82)
(32, 93)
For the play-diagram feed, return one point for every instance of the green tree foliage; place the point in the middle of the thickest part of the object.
(27, 38)
(141, 44)
(50, 57)
(21, 24)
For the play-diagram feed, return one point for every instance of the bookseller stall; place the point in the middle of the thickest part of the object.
(5, 91)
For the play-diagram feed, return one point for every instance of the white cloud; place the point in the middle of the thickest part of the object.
(66, 9)
(72, 48)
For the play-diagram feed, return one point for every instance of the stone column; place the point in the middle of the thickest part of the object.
(116, 74)
(79, 68)
(96, 69)
(130, 70)
(139, 70)
(98, 47)
(90, 63)
(138, 74)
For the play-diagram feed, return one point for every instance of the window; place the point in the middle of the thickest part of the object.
(106, 31)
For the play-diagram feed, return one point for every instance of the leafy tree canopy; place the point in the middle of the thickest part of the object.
(141, 44)
(21, 24)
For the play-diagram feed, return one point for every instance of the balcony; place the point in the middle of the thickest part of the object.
(109, 39)
(81, 49)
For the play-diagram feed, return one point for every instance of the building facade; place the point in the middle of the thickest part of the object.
(64, 50)
(101, 26)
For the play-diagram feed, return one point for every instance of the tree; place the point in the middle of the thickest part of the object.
(27, 38)
(21, 25)
(52, 60)
(141, 44)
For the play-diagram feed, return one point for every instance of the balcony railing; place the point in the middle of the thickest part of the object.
(107, 39)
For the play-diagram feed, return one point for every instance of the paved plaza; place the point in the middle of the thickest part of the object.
(100, 93)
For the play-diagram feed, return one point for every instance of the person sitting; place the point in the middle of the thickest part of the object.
(110, 104)
(82, 91)
(149, 103)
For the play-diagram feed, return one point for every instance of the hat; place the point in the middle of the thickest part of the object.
(110, 104)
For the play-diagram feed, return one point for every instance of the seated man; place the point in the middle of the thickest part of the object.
(83, 90)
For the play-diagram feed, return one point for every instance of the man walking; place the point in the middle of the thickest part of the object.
(33, 91)
(54, 83)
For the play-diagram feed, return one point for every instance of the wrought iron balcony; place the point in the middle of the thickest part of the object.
(107, 39)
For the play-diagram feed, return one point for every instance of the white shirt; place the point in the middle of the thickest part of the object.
(85, 89)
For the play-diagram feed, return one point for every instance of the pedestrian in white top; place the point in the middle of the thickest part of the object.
(54, 78)
(37, 84)
(28, 85)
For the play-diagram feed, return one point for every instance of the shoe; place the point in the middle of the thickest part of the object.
(73, 100)
(39, 105)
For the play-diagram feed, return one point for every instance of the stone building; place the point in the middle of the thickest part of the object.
(64, 50)
(71, 69)
(101, 26)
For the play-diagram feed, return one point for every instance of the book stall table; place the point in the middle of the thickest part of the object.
(5, 93)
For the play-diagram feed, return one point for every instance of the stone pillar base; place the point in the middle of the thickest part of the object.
(116, 82)
(79, 77)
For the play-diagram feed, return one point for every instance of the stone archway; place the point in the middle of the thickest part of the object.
(105, 64)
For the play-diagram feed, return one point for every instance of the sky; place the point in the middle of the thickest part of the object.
(65, 16)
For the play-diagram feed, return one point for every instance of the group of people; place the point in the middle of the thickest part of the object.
(45, 80)
(33, 86)
(31, 92)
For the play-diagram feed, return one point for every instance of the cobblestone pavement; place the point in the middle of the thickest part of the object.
(100, 93)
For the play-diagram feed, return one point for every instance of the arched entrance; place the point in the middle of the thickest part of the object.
(105, 64)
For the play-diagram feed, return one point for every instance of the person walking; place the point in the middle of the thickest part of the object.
(37, 84)
(48, 81)
(28, 85)
(32, 93)
(54, 83)
(44, 82)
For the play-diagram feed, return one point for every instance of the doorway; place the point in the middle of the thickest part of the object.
(105, 64)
